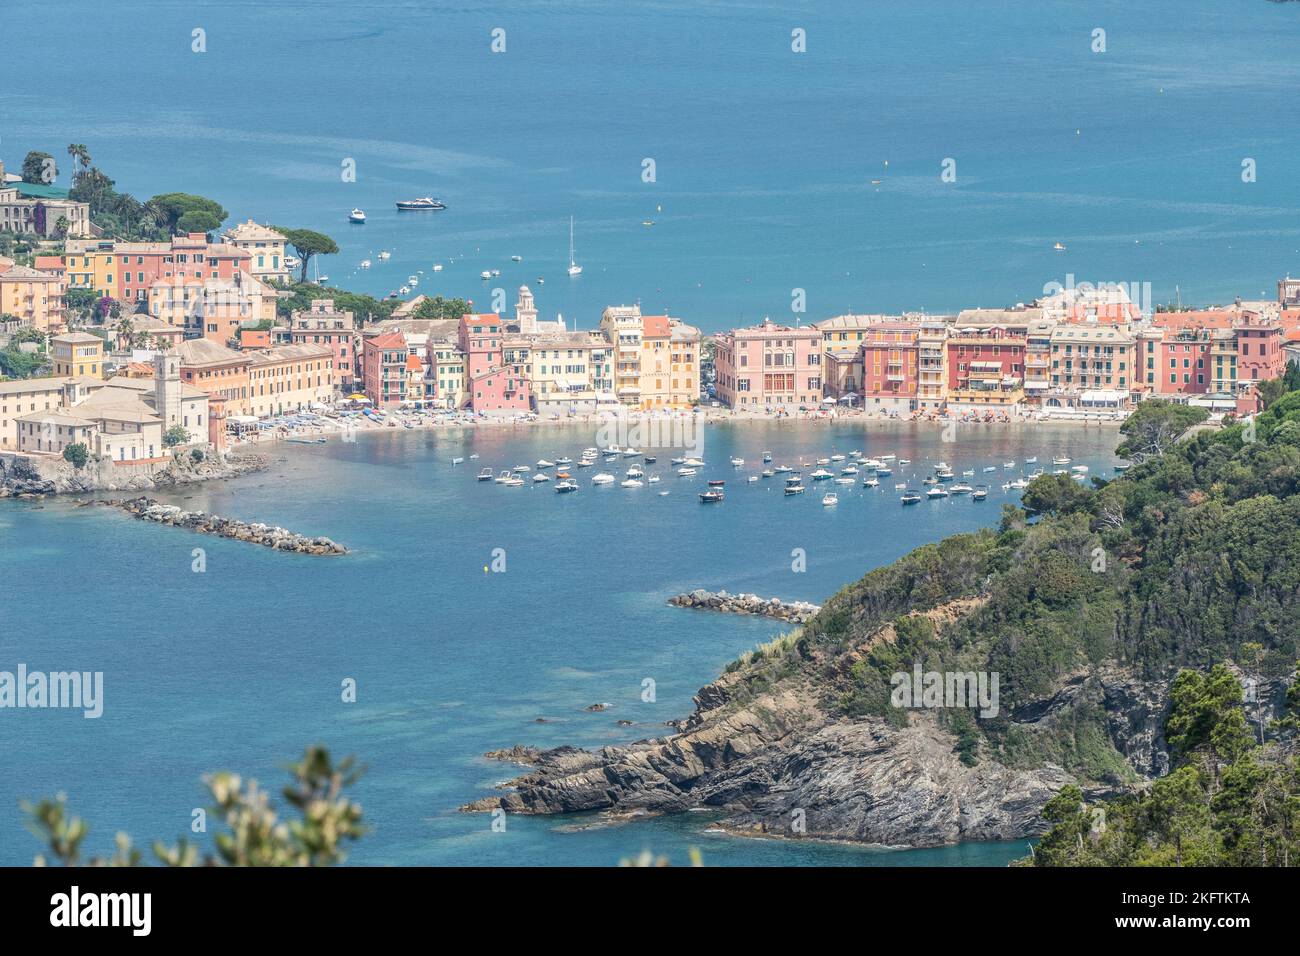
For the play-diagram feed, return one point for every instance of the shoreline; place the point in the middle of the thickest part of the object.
(424, 423)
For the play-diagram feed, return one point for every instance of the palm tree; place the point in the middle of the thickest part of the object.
(80, 156)
(126, 332)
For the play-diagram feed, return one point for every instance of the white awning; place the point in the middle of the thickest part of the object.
(1103, 397)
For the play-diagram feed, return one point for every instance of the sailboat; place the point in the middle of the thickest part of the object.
(574, 268)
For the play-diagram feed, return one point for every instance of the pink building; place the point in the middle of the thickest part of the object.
(384, 369)
(769, 366)
(889, 359)
(491, 386)
(323, 325)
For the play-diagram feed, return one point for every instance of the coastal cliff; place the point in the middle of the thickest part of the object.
(1080, 609)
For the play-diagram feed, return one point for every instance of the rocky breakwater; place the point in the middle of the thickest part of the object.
(796, 612)
(33, 476)
(269, 536)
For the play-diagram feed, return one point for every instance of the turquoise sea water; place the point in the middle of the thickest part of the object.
(764, 158)
(240, 667)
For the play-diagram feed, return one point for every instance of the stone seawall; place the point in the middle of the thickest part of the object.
(27, 476)
(268, 536)
(796, 612)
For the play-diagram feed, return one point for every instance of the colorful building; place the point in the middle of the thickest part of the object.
(891, 367)
(265, 249)
(289, 378)
(220, 372)
(383, 363)
(77, 355)
(128, 270)
(33, 297)
(769, 366)
(322, 324)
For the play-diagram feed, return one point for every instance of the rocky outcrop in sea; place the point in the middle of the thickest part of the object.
(23, 476)
(269, 536)
(796, 612)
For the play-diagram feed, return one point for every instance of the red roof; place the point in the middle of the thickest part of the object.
(49, 263)
(480, 318)
(655, 326)
(388, 340)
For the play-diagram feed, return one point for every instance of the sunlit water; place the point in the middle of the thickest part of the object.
(240, 667)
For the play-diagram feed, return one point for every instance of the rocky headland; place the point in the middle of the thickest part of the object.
(796, 612)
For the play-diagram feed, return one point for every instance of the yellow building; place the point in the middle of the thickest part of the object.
(77, 355)
(33, 297)
(264, 245)
(290, 378)
(565, 369)
(670, 363)
(446, 386)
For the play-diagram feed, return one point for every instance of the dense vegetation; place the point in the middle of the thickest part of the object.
(1230, 801)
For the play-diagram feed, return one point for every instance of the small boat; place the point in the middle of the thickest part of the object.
(1123, 467)
(1008, 464)
(516, 258)
(929, 480)
(653, 479)
(485, 275)
(306, 441)
(752, 478)
(886, 457)
(566, 486)
(513, 482)
(845, 480)
(502, 478)
(849, 470)
(961, 488)
(968, 473)
(904, 461)
(794, 486)
(562, 474)
(768, 472)
(1079, 468)
(650, 459)
(495, 273)
(837, 457)
(585, 463)
(485, 474)
(695, 462)
(1033, 460)
(823, 461)
(384, 254)
(711, 497)
(1062, 460)
(821, 474)
(357, 215)
(633, 483)
(437, 267)
(610, 459)
(830, 499)
(910, 497)
(870, 482)
(412, 280)
(541, 477)
(945, 475)
(365, 263)
(737, 462)
(635, 472)
(473, 457)
(564, 460)
(901, 486)
(404, 290)
(424, 202)
(782, 470)
(767, 457)
(630, 453)
(678, 461)
(1016, 484)
(980, 493)
(1059, 247)
(988, 468)
(543, 463)
(521, 469)
(602, 478)
(884, 471)
(716, 482)
(686, 472)
(936, 492)
(647, 222)
(457, 461)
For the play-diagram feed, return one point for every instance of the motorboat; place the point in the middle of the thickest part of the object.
(485, 275)
(694, 462)
(794, 486)
(424, 202)
(988, 468)
(502, 478)
(633, 483)
(716, 482)
(485, 474)
(566, 486)
(711, 497)
(961, 488)
(845, 480)
(968, 473)
(384, 254)
(737, 462)
(936, 492)
(1008, 464)
(1032, 460)
(871, 481)
(837, 457)
(769, 472)
(357, 215)
(686, 472)
(365, 263)
(767, 457)
(782, 470)
(521, 469)
(980, 493)
(540, 476)
(1061, 460)
(821, 474)
(910, 497)
(564, 460)
(830, 499)
(649, 459)
(543, 463)
(630, 453)
(635, 472)
(653, 479)
(602, 478)
(849, 470)
(513, 482)
(884, 471)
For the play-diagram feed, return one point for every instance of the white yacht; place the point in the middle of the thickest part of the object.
(574, 268)
(602, 478)
(357, 215)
